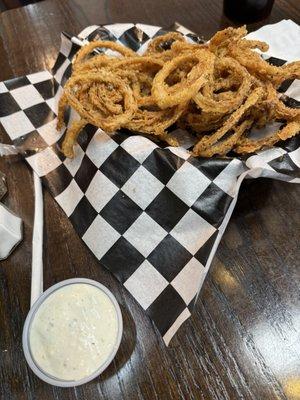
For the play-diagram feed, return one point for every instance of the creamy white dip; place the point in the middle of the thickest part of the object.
(74, 331)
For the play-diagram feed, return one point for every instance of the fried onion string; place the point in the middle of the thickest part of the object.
(218, 91)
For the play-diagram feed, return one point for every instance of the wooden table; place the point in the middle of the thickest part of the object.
(242, 341)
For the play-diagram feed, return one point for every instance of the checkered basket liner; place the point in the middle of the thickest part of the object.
(151, 215)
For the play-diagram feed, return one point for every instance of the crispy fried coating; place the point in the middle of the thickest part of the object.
(218, 91)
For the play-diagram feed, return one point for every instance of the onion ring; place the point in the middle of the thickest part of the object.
(167, 96)
(208, 141)
(77, 88)
(246, 145)
(218, 91)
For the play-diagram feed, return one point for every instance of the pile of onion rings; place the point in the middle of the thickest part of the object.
(217, 91)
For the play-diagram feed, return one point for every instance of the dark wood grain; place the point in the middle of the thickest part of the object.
(9, 4)
(243, 340)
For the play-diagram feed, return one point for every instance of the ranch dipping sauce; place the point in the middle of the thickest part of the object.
(73, 332)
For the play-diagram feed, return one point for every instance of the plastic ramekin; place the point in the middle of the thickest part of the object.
(26, 333)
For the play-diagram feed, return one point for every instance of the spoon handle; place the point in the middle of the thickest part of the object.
(37, 242)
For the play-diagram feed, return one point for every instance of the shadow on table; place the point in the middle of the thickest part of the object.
(259, 189)
(226, 22)
(10, 4)
(126, 347)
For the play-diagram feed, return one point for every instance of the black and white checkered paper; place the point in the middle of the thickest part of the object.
(153, 216)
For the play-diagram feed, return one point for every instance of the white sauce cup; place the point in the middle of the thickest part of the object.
(26, 334)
